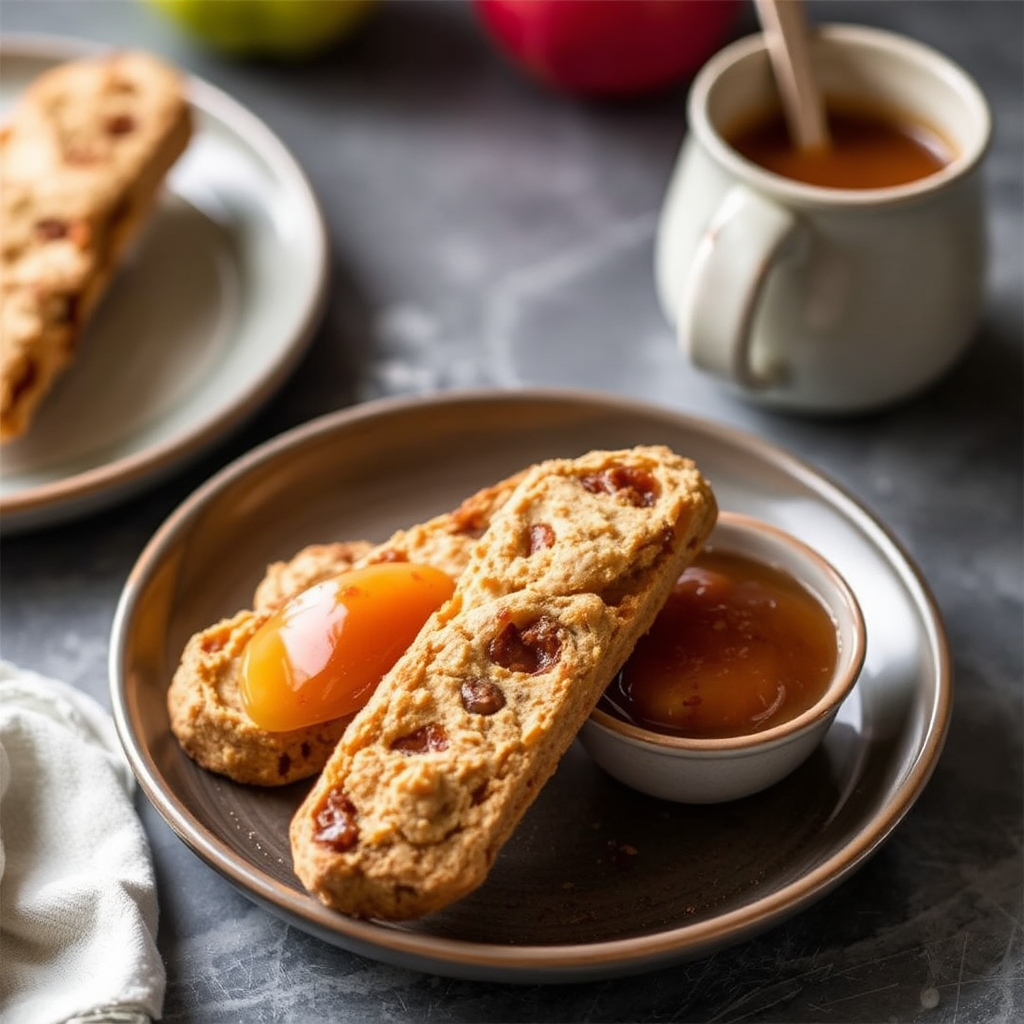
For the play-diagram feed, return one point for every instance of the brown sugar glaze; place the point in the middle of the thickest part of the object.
(738, 648)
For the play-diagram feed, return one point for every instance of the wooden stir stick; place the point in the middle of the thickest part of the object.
(786, 37)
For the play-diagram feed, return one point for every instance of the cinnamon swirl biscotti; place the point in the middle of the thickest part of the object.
(204, 700)
(430, 779)
(82, 158)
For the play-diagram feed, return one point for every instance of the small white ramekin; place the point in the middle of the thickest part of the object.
(716, 770)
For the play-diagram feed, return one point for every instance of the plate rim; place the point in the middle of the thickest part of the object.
(106, 482)
(568, 962)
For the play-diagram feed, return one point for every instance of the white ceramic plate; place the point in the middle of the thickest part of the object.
(204, 321)
(597, 880)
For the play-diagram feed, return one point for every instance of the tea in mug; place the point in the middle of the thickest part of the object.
(869, 149)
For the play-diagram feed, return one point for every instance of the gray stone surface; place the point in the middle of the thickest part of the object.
(486, 232)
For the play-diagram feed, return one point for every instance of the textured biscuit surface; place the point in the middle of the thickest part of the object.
(432, 776)
(204, 700)
(82, 157)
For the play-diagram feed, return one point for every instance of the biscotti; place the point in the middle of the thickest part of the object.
(204, 700)
(443, 542)
(208, 719)
(432, 776)
(82, 159)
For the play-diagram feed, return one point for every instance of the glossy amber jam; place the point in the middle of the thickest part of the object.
(321, 655)
(739, 647)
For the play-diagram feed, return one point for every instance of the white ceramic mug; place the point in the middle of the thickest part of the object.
(822, 299)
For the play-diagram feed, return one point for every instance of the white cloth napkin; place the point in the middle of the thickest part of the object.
(78, 908)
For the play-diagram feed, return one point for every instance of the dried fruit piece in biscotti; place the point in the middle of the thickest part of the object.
(204, 701)
(82, 158)
(432, 776)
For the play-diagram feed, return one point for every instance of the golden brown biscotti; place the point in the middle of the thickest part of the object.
(443, 542)
(432, 776)
(204, 699)
(82, 159)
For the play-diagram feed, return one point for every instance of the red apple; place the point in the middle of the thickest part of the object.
(608, 47)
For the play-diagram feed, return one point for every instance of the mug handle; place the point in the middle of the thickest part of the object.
(730, 266)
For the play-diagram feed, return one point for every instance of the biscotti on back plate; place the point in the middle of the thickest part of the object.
(204, 700)
(430, 779)
(82, 157)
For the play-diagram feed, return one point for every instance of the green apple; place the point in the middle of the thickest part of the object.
(274, 28)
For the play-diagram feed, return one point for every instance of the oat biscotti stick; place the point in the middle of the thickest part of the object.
(204, 700)
(207, 717)
(82, 158)
(432, 776)
(442, 542)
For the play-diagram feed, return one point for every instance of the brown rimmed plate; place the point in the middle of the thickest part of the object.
(597, 881)
(206, 317)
